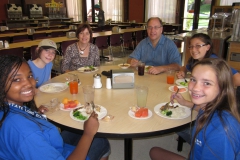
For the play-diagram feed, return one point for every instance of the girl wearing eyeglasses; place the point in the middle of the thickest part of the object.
(201, 47)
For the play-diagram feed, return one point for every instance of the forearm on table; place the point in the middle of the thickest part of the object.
(81, 150)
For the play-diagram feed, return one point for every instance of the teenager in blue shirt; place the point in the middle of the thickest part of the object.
(200, 47)
(42, 65)
(26, 134)
(217, 127)
(156, 50)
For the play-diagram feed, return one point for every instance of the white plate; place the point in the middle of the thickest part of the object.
(101, 114)
(182, 80)
(172, 90)
(146, 68)
(53, 87)
(187, 111)
(126, 65)
(81, 69)
(132, 114)
(61, 106)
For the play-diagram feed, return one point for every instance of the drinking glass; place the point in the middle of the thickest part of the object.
(141, 93)
(170, 76)
(73, 84)
(88, 92)
(141, 68)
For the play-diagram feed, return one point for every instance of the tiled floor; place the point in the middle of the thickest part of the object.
(141, 146)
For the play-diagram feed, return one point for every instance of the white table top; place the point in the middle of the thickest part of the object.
(117, 103)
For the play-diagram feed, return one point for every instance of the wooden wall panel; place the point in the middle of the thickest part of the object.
(136, 10)
(3, 13)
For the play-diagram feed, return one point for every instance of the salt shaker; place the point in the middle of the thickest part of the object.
(97, 81)
(108, 83)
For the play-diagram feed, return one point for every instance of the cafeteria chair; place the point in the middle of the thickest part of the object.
(58, 34)
(102, 43)
(127, 40)
(12, 51)
(107, 28)
(65, 44)
(20, 38)
(138, 37)
(39, 36)
(115, 40)
(5, 39)
(33, 52)
(182, 138)
(168, 29)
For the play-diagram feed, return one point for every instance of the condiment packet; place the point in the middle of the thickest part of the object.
(107, 118)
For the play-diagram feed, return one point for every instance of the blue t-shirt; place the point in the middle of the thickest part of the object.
(23, 136)
(234, 71)
(42, 74)
(217, 144)
(164, 53)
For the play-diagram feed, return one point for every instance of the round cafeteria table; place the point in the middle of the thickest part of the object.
(117, 102)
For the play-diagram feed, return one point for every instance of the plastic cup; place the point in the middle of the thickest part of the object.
(141, 93)
(170, 76)
(141, 68)
(88, 92)
(73, 85)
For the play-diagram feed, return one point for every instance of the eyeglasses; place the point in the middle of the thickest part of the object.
(198, 46)
(155, 27)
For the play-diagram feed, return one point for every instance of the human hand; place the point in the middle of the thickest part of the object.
(91, 125)
(156, 70)
(42, 109)
(134, 62)
(177, 97)
(180, 74)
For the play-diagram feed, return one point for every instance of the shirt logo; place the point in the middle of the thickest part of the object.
(198, 142)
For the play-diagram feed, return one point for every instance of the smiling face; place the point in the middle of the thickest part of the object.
(22, 86)
(84, 36)
(47, 55)
(154, 30)
(203, 86)
(198, 53)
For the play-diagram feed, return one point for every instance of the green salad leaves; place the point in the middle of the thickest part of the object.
(78, 115)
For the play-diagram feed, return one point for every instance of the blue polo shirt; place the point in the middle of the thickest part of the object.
(164, 53)
(213, 142)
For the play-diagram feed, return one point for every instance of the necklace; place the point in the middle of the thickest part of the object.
(81, 50)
